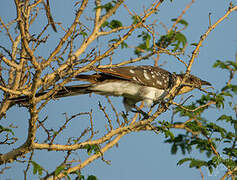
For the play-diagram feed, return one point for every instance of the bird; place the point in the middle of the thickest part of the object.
(150, 84)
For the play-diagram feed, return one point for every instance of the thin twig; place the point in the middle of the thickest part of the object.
(197, 108)
(114, 109)
(181, 15)
(204, 36)
(106, 115)
(91, 122)
(7, 29)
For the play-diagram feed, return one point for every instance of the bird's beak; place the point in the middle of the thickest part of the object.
(205, 83)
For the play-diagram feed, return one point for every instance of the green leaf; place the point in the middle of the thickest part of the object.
(107, 7)
(113, 40)
(112, 24)
(233, 64)
(208, 154)
(55, 133)
(179, 39)
(220, 64)
(115, 24)
(204, 99)
(229, 136)
(230, 87)
(176, 39)
(37, 168)
(91, 177)
(193, 125)
(59, 169)
(105, 24)
(180, 162)
(148, 42)
(230, 152)
(174, 149)
(145, 46)
(230, 163)
(210, 169)
(2, 129)
(181, 141)
(138, 51)
(219, 99)
(217, 160)
(182, 21)
(81, 177)
(168, 133)
(124, 45)
(61, 59)
(215, 128)
(197, 163)
(83, 33)
(194, 44)
(92, 149)
(226, 118)
(136, 19)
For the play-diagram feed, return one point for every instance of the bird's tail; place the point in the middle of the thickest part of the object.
(64, 92)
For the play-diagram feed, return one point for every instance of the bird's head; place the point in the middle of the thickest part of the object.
(191, 83)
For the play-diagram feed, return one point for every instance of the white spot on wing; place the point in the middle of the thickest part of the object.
(134, 78)
(131, 71)
(157, 73)
(159, 82)
(139, 80)
(146, 75)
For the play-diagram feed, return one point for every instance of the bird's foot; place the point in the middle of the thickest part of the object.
(138, 110)
(125, 116)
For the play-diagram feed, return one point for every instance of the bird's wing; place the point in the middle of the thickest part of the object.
(144, 75)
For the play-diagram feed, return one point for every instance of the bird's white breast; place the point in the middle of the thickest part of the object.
(151, 94)
(129, 90)
(116, 88)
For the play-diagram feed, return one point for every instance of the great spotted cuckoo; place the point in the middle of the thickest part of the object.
(135, 83)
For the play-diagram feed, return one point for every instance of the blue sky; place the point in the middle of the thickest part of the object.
(140, 155)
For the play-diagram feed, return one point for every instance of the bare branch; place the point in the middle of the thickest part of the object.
(91, 158)
(10, 63)
(7, 29)
(204, 36)
(35, 4)
(66, 36)
(15, 92)
(24, 35)
(49, 16)
(106, 115)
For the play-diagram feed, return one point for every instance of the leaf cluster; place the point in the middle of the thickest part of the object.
(107, 7)
(145, 45)
(113, 24)
(92, 149)
(215, 138)
(175, 39)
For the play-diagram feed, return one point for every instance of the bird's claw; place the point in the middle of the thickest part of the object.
(138, 110)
